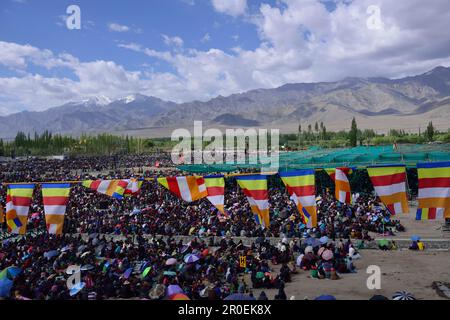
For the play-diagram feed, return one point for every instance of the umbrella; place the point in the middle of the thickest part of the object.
(403, 295)
(184, 248)
(11, 272)
(178, 296)
(239, 296)
(191, 258)
(313, 242)
(378, 297)
(77, 288)
(127, 273)
(85, 254)
(383, 242)
(323, 240)
(5, 287)
(173, 289)
(146, 271)
(87, 267)
(325, 297)
(308, 249)
(51, 254)
(327, 255)
(170, 273)
(6, 280)
(415, 237)
(171, 262)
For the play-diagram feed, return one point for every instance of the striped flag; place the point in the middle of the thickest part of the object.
(215, 187)
(341, 183)
(18, 200)
(432, 213)
(389, 183)
(55, 197)
(255, 188)
(133, 187)
(301, 186)
(112, 188)
(189, 188)
(434, 190)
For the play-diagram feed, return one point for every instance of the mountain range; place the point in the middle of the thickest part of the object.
(378, 103)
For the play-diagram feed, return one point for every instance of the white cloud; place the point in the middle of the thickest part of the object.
(300, 41)
(172, 41)
(231, 7)
(115, 27)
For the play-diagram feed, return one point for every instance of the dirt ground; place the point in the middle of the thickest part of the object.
(406, 270)
(400, 270)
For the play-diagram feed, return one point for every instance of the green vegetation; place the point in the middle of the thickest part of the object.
(354, 137)
(46, 144)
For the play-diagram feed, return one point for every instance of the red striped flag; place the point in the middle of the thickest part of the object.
(133, 187)
(55, 197)
(301, 186)
(18, 200)
(255, 188)
(389, 183)
(112, 188)
(189, 188)
(434, 190)
(215, 187)
(341, 184)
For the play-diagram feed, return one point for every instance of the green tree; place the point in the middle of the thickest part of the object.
(353, 135)
(429, 133)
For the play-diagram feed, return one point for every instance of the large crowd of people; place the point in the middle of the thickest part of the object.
(143, 264)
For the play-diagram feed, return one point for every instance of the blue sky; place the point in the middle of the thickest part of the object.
(182, 50)
(42, 25)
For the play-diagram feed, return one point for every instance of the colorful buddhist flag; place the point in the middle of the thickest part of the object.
(255, 188)
(341, 183)
(434, 190)
(133, 187)
(18, 200)
(301, 186)
(55, 197)
(432, 213)
(215, 187)
(112, 188)
(389, 183)
(189, 188)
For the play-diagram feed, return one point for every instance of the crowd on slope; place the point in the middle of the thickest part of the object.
(326, 251)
